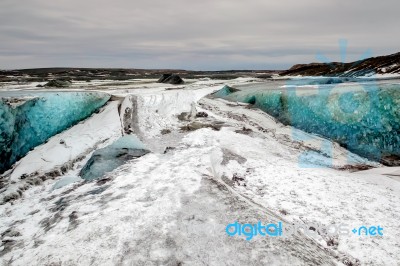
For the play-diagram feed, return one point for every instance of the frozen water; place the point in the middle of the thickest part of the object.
(107, 159)
(191, 190)
(65, 181)
(323, 80)
(364, 119)
(128, 142)
(225, 91)
(28, 122)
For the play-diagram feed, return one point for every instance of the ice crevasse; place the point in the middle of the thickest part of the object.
(27, 121)
(366, 121)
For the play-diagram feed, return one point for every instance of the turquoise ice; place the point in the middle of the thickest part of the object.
(28, 122)
(107, 159)
(65, 181)
(225, 91)
(364, 118)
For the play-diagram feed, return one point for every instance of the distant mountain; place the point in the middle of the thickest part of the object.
(389, 64)
(87, 74)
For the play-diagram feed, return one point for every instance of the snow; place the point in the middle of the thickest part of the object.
(75, 142)
(318, 196)
(108, 158)
(24, 126)
(363, 118)
(159, 210)
(159, 110)
(257, 120)
(391, 172)
(65, 181)
(62, 150)
(386, 75)
(171, 208)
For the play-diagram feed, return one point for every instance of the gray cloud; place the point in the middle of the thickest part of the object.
(207, 34)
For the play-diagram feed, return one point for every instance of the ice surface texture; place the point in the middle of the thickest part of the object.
(225, 91)
(65, 181)
(32, 122)
(363, 118)
(107, 159)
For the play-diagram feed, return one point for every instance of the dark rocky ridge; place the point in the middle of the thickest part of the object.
(87, 74)
(389, 64)
(375, 65)
(57, 83)
(170, 79)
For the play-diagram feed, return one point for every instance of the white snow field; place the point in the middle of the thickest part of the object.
(172, 206)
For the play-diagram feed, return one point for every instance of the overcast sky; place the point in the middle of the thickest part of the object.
(187, 34)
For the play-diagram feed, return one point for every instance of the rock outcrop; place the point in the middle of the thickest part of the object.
(389, 64)
(171, 79)
(55, 83)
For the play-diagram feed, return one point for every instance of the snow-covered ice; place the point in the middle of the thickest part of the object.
(108, 158)
(28, 120)
(171, 206)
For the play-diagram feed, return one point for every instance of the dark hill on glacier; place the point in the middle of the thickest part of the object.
(389, 64)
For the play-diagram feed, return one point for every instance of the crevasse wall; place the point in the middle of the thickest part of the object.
(366, 121)
(33, 121)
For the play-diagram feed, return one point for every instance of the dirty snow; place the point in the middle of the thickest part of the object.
(171, 208)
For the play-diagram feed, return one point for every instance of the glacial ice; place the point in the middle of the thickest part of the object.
(225, 91)
(27, 121)
(65, 181)
(323, 80)
(107, 159)
(363, 118)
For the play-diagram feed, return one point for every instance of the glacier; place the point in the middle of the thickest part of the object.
(364, 118)
(225, 91)
(107, 159)
(65, 181)
(248, 171)
(30, 119)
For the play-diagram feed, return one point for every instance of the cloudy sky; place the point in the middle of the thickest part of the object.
(192, 34)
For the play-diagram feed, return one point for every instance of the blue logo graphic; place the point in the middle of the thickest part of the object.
(249, 231)
(368, 231)
(349, 113)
